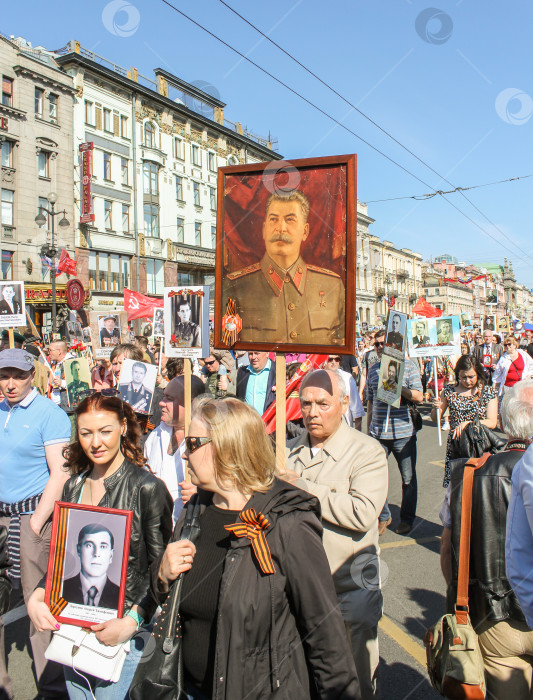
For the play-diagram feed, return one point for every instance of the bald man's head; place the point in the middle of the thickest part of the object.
(323, 401)
(327, 379)
(173, 401)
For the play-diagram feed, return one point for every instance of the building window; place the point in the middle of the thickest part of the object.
(124, 171)
(89, 113)
(124, 127)
(39, 102)
(196, 193)
(151, 220)
(180, 227)
(107, 120)
(196, 155)
(7, 154)
(43, 164)
(178, 148)
(7, 265)
(179, 188)
(185, 278)
(213, 198)
(197, 233)
(213, 236)
(155, 276)
(108, 218)
(150, 178)
(52, 108)
(7, 207)
(7, 92)
(108, 272)
(212, 162)
(149, 136)
(125, 218)
(107, 166)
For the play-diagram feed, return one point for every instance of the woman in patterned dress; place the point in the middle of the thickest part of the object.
(465, 401)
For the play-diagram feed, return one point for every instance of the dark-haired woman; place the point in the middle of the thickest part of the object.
(468, 398)
(107, 464)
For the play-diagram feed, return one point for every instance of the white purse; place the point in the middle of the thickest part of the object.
(79, 649)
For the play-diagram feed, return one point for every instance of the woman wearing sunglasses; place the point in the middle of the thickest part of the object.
(107, 464)
(258, 611)
(513, 365)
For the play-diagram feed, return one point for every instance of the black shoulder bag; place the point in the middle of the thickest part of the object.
(159, 675)
(476, 439)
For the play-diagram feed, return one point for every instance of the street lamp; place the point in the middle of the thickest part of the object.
(49, 249)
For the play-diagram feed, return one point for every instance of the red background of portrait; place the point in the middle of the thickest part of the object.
(245, 199)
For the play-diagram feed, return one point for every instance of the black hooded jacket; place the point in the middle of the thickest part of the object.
(278, 636)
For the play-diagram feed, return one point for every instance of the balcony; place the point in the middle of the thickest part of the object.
(402, 274)
(413, 298)
(380, 292)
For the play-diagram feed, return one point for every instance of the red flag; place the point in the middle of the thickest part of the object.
(291, 392)
(66, 264)
(139, 305)
(424, 308)
(392, 301)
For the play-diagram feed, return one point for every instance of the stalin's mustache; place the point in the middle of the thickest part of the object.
(280, 237)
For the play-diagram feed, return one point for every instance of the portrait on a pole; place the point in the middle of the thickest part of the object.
(78, 379)
(186, 321)
(107, 330)
(285, 267)
(12, 304)
(136, 384)
(86, 578)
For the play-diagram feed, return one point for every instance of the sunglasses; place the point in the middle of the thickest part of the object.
(194, 443)
(334, 359)
(104, 392)
(208, 364)
(378, 344)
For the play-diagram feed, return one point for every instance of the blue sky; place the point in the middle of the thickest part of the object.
(454, 87)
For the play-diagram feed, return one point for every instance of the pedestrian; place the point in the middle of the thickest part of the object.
(514, 365)
(108, 469)
(57, 386)
(505, 640)
(469, 398)
(255, 383)
(347, 471)
(102, 375)
(164, 446)
(488, 353)
(278, 627)
(355, 411)
(35, 431)
(141, 342)
(396, 435)
(370, 359)
(214, 374)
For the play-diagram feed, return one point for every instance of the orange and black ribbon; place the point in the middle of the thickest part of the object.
(253, 527)
(229, 337)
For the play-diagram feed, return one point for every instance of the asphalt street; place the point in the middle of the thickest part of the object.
(413, 587)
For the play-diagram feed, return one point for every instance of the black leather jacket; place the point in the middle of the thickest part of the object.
(491, 597)
(135, 489)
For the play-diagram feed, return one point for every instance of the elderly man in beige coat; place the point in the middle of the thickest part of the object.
(347, 471)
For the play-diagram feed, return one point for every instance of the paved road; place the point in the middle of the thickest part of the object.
(413, 588)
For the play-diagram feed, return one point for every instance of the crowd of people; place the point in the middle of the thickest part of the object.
(280, 581)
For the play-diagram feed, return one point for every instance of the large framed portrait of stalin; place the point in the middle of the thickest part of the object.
(285, 266)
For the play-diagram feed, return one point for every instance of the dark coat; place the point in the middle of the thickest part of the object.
(4, 307)
(243, 375)
(262, 619)
(5, 583)
(496, 352)
(135, 489)
(73, 593)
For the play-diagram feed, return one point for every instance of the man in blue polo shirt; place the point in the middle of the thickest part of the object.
(255, 382)
(33, 433)
(400, 436)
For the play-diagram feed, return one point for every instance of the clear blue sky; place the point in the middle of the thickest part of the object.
(438, 95)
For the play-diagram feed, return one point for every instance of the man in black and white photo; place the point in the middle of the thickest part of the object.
(77, 386)
(10, 303)
(188, 333)
(444, 332)
(159, 328)
(135, 393)
(394, 337)
(92, 586)
(109, 334)
(420, 336)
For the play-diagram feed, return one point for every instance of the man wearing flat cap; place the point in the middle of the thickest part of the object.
(35, 432)
(109, 335)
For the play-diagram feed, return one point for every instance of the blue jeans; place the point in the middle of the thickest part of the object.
(404, 451)
(78, 689)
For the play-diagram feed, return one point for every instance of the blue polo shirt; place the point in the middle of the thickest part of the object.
(25, 430)
(256, 389)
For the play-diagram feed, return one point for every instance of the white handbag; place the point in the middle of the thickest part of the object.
(79, 649)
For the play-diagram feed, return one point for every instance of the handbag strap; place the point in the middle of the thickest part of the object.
(464, 544)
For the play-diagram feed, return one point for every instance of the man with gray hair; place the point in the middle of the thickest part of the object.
(347, 471)
(505, 640)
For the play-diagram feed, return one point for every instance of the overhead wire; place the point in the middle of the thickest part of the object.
(343, 126)
(378, 126)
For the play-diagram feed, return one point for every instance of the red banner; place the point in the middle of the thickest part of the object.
(291, 392)
(139, 305)
(86, 182)
(66, 264)
(424, 308)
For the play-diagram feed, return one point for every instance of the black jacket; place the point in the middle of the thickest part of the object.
(243, 375)
(73, 593)
(135, 489)
(5, 583)
(279, 636)
(491, 597)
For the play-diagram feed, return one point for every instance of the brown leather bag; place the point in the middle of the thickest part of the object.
(454, 660)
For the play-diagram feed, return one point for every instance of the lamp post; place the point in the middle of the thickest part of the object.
(49, 249)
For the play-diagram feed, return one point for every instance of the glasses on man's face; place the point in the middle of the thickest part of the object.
(194, 443)
(378, 344)
(334, 359)
(208, 363)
